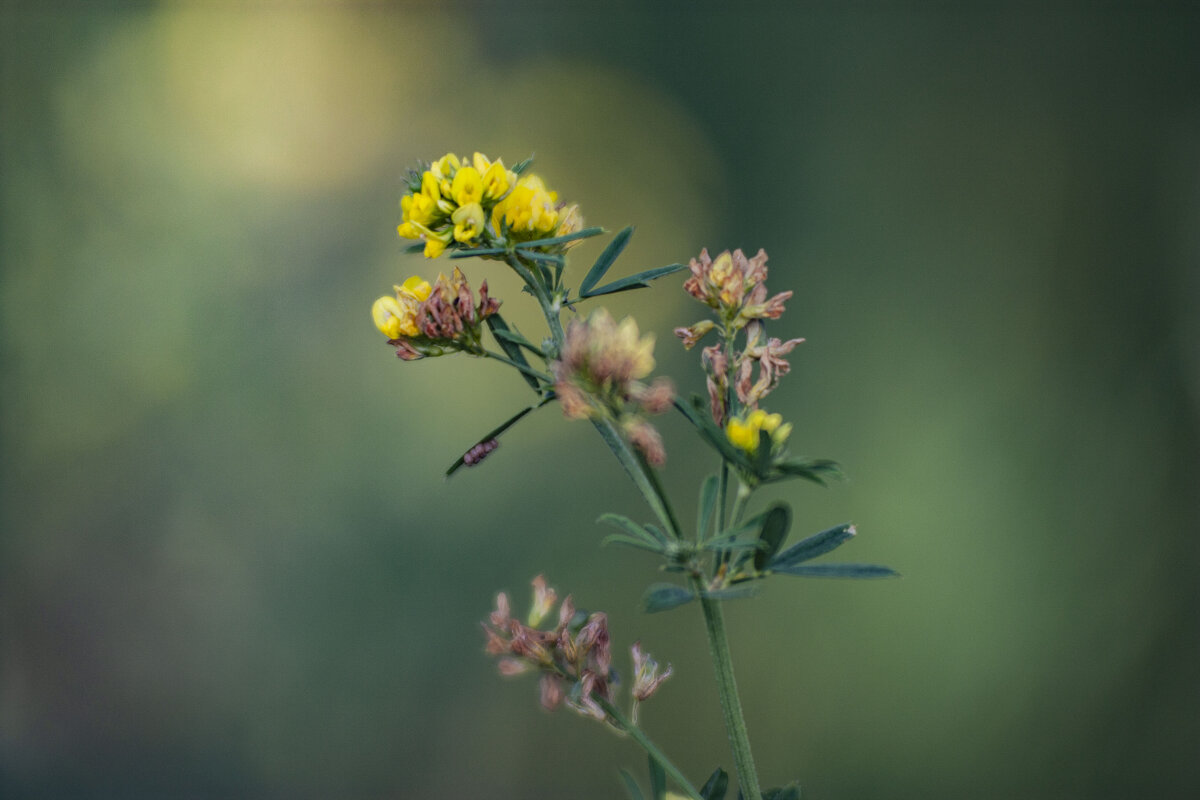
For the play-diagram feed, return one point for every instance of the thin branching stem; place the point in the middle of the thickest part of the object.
(646, 480)
(639, 736)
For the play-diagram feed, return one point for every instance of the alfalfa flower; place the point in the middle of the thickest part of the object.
(599, 375)
(745, 433)
(734, 286)
(574, 657)
(396, 315)
(430, 320)
(769, 356)
(646, 677)
(480, 203)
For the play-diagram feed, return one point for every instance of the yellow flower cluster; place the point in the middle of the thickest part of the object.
(396, 315)
(744, 433)
(455, 200)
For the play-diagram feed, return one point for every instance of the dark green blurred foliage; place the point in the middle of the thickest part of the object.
(229, 563)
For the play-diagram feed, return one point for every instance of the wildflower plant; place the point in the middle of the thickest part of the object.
(600, 370)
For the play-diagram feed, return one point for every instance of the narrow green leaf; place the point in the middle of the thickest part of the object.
(723, 545)
(708, 504)
(727, 539)
(519, 340)
(483, 251)
(522, 367)
(521, 166)
(816, 545)
(837, 571)
(499, 429)
(533, 255)
(658, 780)
(632, 541)
(732, 592)
(642, 476)
(716, 785)
(631, 786)
(496, 323)
(762, 456)
(586, 233)
(664, 596)
(630, 528)
(605, 261)
(697, 413)
(415, 248)
(776, 521)
(657, 533)
(817, 470)
(639, 281)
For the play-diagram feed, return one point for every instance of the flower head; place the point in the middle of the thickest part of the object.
(478, 202)
(574, 657)
(599, 375)
(734, 286)
(421, 319)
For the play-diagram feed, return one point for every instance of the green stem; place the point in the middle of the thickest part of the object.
(522, 367)
(731, 705)
(722, 491)
(641, 475)
(647, 483)
(739, 503)
(651, 749)
(539, 292)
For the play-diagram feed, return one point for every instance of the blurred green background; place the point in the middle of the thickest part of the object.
(229, 565)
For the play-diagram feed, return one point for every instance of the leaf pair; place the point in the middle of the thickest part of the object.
(791, 561)
(642, 537)
(640, 280)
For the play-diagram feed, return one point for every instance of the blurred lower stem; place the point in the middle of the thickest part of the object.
(731, 704)
(651, 749)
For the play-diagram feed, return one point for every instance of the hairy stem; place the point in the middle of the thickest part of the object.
(651, 749)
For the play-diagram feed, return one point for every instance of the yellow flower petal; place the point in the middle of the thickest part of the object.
(467, 187)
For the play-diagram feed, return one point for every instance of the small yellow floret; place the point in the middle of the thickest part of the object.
(742, 435)
(431, 186)
(467, 186)
(468, 222)
(496, 180)
(389, 316)
(528, 208)
(416, 287)
(419, 208)
(745, 433)
(435, 246)
(445, 166)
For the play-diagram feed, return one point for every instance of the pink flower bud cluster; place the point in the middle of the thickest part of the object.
(735, 287)
(449, 319)
(574, 658)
